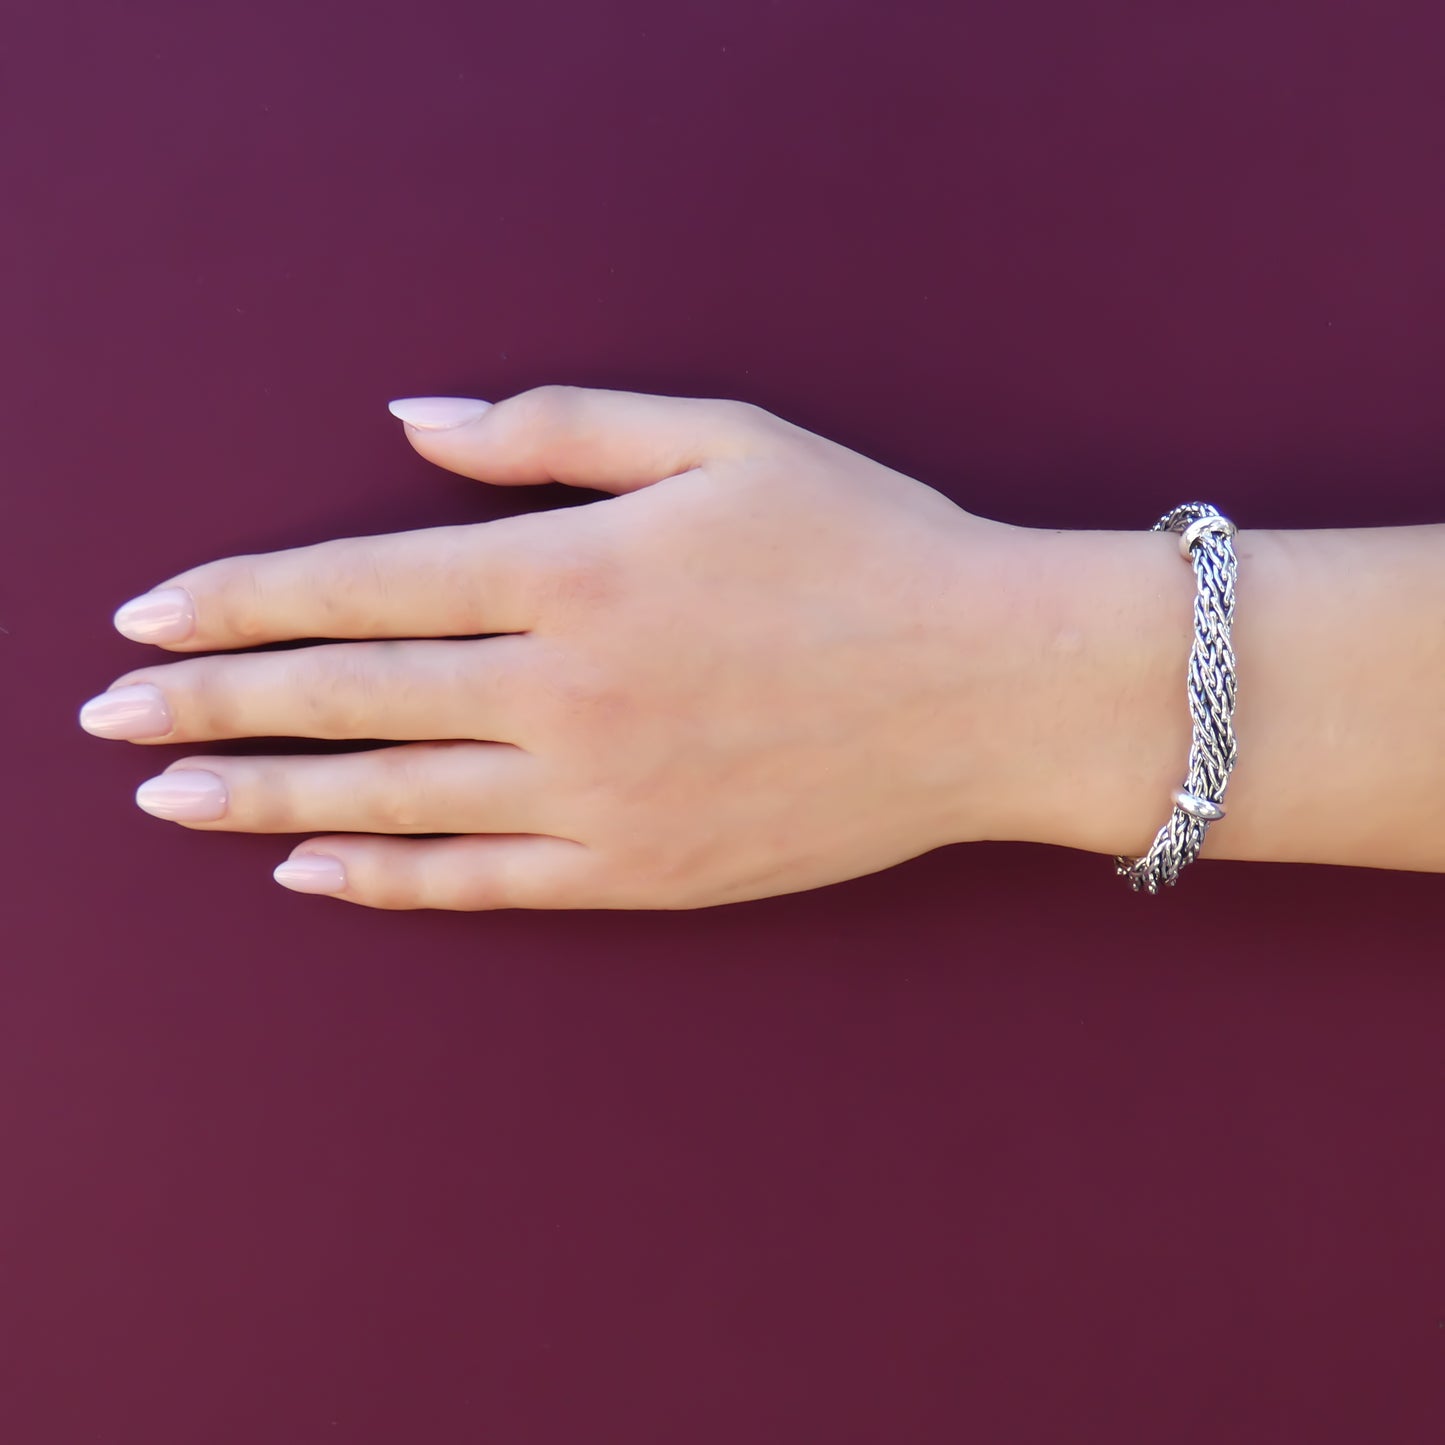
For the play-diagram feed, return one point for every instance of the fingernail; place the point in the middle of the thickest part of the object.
(311, 873)
(166, 615)
(188, 795)
(437, 413)
(138, 711)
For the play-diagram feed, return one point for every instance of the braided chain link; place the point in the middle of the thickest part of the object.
(1211, 684)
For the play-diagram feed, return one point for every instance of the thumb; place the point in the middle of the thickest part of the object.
(615, 441)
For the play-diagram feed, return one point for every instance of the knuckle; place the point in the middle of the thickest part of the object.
(460, 601)
(360, 581)
(509, 883)
(550, 873)
(237, 603)
(397, 796)
(389, 876)
(360, 584)
(751, 420)
(543, 408)
(267, 801)
(200, 697)
(341, 690)
(747, 413)
(258, 798)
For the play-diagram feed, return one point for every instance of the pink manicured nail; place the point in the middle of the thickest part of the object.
(437, 413)
(311, 873)
(166, 615)
(138, 711)
(188, 795)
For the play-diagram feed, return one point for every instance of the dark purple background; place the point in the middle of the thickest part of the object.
(984, 1148)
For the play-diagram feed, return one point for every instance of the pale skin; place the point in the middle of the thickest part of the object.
(766, 663)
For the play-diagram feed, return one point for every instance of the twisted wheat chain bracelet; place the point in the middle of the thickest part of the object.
(1206, 541)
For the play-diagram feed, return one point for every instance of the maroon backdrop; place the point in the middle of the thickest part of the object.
(984, 1148)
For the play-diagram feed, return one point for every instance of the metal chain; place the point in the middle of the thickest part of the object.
(1206, 542)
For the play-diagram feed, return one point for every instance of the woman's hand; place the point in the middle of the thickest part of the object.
(766, 664)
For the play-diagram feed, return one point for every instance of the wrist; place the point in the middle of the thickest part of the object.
(1095, 714)
(1338, 643)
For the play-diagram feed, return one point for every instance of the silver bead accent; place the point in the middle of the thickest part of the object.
(1198, 807)
(1222, 526)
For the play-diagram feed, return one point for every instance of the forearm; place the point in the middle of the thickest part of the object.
(1339, 638)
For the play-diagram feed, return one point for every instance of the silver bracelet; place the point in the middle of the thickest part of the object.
(1206, 542)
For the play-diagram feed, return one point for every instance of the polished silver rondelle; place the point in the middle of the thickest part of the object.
(1195, 530)
(1207, 542)
(1198, 807)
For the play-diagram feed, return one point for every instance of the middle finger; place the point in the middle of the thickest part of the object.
(407, 691)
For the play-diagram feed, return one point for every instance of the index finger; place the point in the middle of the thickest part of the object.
(459, 581)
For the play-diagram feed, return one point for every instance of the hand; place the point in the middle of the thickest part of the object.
(763, 665)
